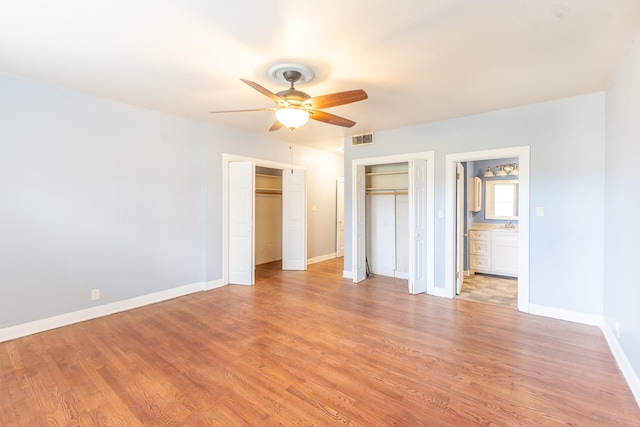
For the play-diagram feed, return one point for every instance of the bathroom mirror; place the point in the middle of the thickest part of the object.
(501, 199)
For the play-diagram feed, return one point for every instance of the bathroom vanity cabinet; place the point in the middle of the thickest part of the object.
(493, 251)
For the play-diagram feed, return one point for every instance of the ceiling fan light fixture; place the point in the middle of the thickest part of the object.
(292, 117)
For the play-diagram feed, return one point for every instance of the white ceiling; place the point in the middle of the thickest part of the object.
(419, 61)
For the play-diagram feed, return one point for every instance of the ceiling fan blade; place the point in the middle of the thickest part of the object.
(243, 111)
(275, 126)
(335, 99)
(266, 92)
(332, 119)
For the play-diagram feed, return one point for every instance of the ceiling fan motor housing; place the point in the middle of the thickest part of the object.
(292, 76)
(293, 97)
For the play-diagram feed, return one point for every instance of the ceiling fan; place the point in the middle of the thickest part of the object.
(294, 108)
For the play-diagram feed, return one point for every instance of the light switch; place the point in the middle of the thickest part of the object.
(539, 211)
(440, 213)
(313, 208)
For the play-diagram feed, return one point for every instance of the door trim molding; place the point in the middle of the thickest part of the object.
(226, 159)
(523, 154)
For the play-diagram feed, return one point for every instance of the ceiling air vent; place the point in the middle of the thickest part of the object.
(365, 139)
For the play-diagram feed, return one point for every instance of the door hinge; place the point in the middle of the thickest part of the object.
(457, 175)
(457, 274)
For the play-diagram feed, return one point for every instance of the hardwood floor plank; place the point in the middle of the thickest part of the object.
(312, 348)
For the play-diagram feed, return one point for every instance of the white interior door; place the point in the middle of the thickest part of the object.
(340, 217)
(417, 226)
(294, 220)
(460, 195)
(359, 225)
(241, 221)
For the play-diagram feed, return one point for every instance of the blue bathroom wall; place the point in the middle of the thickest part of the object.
(478, 169)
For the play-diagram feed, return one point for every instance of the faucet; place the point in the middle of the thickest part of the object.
(509, 225)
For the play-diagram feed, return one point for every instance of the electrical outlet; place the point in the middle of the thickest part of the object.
(539, 211)
(95, 294)
(617, 329)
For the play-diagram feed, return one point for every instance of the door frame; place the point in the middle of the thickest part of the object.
(451, 160)
(460, 217)
(339, 216)
(226, 159)
(358, 164)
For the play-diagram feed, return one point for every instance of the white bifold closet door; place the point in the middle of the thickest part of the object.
(241, 222)
(359, 247)
(294, 220)
(417, 226)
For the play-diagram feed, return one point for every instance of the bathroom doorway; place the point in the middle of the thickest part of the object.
(495, 248)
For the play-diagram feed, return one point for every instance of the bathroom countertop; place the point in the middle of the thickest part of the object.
(493, 227)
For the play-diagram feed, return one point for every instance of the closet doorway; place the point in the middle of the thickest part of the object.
(381, 175)
(387, 219)
(268, 221)
(240, 193)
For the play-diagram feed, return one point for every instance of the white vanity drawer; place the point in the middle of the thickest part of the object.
(479, 248)
(480, 263)
(479, 234)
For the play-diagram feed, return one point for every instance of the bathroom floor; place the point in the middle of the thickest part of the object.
(490, 289)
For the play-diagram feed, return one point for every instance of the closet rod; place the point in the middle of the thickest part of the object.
(387, 193)
(267, 191)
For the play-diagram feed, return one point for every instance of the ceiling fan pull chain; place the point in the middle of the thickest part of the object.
(291, 150)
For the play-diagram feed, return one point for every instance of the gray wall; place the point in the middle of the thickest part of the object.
(567, 140)
(98, 194)
(93, 194)
(622, 234)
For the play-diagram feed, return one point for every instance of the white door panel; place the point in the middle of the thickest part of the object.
(241, 216)
(340, 217)
(417, 226)
(359, 226)
(294, 220)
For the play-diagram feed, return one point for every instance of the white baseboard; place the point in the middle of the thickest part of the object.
(571, 316)
(17, 331)
(214, 284)
(621, 358)
(347, 274)
(321, 258)
(439, 292)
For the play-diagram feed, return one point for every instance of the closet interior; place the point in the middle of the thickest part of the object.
(268, 215)
(387, 219)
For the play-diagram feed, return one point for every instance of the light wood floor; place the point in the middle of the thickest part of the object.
(311, 348)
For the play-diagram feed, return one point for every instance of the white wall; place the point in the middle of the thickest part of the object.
(93, 194)
(622, 234)
(567, 140)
